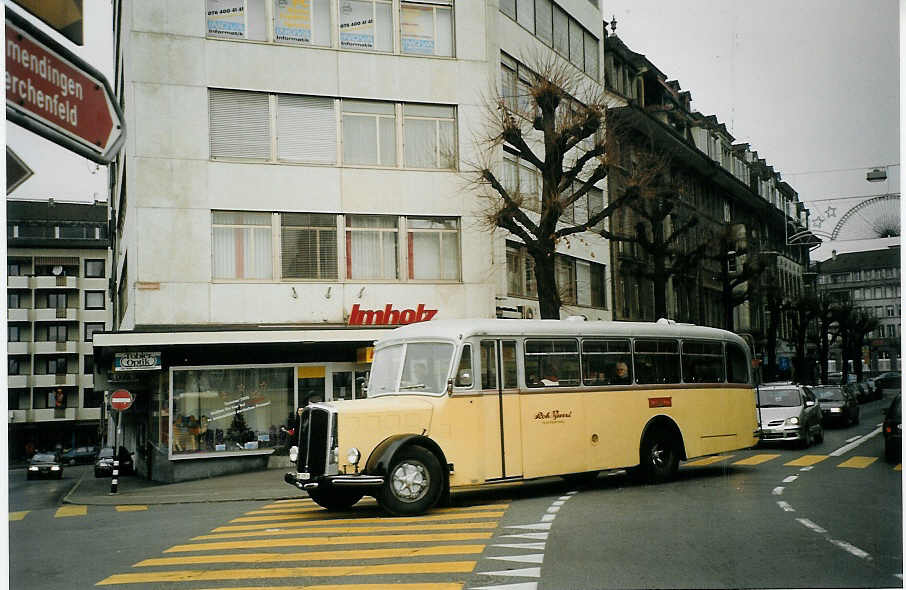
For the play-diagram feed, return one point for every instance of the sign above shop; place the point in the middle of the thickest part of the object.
(136, 361)
(389, 316)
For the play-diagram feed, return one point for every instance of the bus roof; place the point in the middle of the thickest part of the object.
(464, 328)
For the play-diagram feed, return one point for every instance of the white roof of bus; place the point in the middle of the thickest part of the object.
(464, 328)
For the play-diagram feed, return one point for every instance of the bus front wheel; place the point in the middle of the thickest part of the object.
(413, 482)
(659, 456)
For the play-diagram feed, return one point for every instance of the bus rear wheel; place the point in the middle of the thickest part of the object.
(335, 500)
(659, 456)
(413, 482)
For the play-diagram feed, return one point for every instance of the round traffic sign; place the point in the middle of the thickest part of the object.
(121, 400)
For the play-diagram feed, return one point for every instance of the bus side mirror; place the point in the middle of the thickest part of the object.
(450, 386)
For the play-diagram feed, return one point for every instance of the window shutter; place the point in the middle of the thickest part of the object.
(306, 129)
(544, 21)
(591, 55)
(308, 245)
(239, 124)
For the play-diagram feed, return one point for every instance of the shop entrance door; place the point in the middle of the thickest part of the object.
(348, 380)
(331, 381)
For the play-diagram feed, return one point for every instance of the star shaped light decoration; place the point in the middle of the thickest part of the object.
(818, 221)
(830, 212)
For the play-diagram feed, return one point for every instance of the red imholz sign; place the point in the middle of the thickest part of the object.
(51, 91)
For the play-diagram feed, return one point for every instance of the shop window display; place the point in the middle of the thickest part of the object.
(230, 409)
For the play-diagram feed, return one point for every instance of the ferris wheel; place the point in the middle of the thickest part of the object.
(877, 217)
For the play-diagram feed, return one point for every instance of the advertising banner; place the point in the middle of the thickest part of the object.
(417, 29)
(226, 18)
(136, 361)
(292, 21)
(357, 24)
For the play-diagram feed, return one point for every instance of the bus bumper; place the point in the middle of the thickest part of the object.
(304, 481)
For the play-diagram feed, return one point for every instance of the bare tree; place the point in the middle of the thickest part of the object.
(735, 282)
(555, 125)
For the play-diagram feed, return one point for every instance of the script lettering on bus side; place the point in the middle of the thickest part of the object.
(552, 416)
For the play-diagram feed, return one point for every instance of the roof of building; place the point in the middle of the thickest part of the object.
(861, 260)
(52, 210)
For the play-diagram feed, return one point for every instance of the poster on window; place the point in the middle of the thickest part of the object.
(417, 29)
(226, 18)
(292, 21)
(356, 24)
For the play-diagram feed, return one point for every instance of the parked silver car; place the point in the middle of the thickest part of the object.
(789, 413)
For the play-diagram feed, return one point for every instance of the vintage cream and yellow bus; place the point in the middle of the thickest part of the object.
(455, 404)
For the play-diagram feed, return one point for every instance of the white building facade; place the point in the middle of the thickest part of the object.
(294, 181)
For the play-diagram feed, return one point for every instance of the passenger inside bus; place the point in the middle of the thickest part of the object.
(621, 374)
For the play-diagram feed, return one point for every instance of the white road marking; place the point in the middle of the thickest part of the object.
(559, 503)
(528, 558)
(528, 572)
(809, 524)
(548, 517)
(541, 536)
(778, 491)
(856, 443)
(542, 526)
(808, 468)
(786, 507)
(790, 479)
(553, 509)
(520, 545)
(852, 438)
(850, 548)
(522, 586)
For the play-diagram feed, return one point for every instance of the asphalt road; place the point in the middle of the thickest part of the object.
(770, 517)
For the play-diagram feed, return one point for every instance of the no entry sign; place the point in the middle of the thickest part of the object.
(56, 94)
(121, 400)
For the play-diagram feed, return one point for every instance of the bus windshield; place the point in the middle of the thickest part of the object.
(425, 368)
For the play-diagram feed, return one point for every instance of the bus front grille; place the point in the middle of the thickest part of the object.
(313, 441)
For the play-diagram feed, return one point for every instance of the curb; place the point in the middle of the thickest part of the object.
(72, 490)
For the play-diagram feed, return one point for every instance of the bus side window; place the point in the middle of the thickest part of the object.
(657, 361)
(606, 362)
(551, 363)
(737, 366)
(508, 352)
(488, 364)
(703, 361)
(464, 371)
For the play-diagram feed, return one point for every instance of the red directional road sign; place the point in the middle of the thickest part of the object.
(121, 400)
(56, 94)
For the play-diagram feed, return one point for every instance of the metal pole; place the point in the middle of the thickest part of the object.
(116, 463)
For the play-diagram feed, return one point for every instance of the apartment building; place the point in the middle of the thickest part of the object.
(57, 298)
(744, 209)
(294, 183)
(870, 281)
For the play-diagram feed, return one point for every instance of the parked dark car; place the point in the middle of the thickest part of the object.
(838, 406)
(893, 430)
(890, 380)
(80, 455)
(103, 466)
(853, 390)
(44, 465)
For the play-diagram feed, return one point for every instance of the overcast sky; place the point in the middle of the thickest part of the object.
(812, 85)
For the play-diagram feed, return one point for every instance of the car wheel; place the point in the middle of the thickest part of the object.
(413, 482)
(335, 499)
(659, 456)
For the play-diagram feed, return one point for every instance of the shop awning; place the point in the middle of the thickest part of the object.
(122, 339)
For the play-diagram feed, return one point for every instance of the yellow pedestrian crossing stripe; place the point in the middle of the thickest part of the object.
(858, 462)
(315, 541)
(65, 511)
(806, 460)
(708, 460)
(417, 586)
(18, 515)
(130, 508)
(756, 459)
(457, 526)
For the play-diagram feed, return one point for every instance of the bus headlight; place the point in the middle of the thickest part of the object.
(293, 453)
(353, 456)
(794, 420)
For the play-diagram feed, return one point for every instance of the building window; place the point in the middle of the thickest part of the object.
(366, 24)
(94, 269)
(92, 398)
(94, 300)
(590, 279)
(304, 22)
(122, 292)
(565, 275)
(236, 19)
(520, 272)
(56, 301)
(242, 246)
(428, 136)
(55, 366)
(371, 247)
(433, 247)
(246, 414)
(14, 366)
(13, 300)
(13, 334)
(369, 133)
(890, 311)
(308, 246)
(426, 29)
(57, 333)
(306, 129)
(19, 399)
(13, 269)
(88, 363)
(239, 124)
(91, 328)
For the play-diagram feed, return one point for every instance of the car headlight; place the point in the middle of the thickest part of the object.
(33, 468)
(353, 456)
(794, 420)
(836, 410)
(294, 453)
(54, 467)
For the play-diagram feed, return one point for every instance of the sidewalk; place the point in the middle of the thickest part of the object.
(256, 485)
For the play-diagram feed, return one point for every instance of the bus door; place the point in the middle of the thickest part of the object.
(501, 402)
